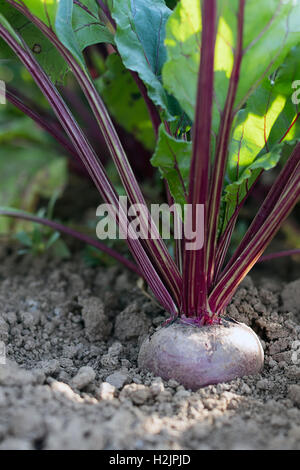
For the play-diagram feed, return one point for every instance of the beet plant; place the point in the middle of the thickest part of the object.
(220, 79)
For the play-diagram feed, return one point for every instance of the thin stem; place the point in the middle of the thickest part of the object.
(290, 127)
(222, 147)
(152, 110)
(85, 8)
(194, 275)
(81, 110)
(72, 233)
(106, 11)
(279, 254)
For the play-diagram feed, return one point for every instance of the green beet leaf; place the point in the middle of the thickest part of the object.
(140, 41)
(270, 119)
(173, 157)
(270, 31)
(88, 27)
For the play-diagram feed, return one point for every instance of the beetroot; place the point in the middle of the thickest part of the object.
(208, 179)
(198, 356)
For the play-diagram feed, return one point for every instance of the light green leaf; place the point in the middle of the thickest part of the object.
(252, 130)
(128, 108)
(173, 158)
(183, 41)
(45, 10)
(268, 38)
(269, 34)
(57, 15)
(269, 120)
(140, 41)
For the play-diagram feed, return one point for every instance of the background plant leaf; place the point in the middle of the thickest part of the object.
(29, 168)
(124, 101)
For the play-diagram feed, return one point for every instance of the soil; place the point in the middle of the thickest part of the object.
(71, 381)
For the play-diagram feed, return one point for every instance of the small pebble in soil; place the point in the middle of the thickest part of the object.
(84, 377)
(118, 379)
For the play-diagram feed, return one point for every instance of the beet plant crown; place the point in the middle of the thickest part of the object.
(219, 78)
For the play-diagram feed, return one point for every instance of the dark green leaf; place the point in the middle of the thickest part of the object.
(80, 27)
(140, 41)
(89, 29)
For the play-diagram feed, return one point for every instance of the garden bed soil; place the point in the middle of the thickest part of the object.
(71, 380)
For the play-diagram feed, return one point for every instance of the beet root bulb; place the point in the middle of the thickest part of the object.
(199, 356)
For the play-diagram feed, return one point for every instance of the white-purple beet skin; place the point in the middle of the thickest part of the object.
(198, 356)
